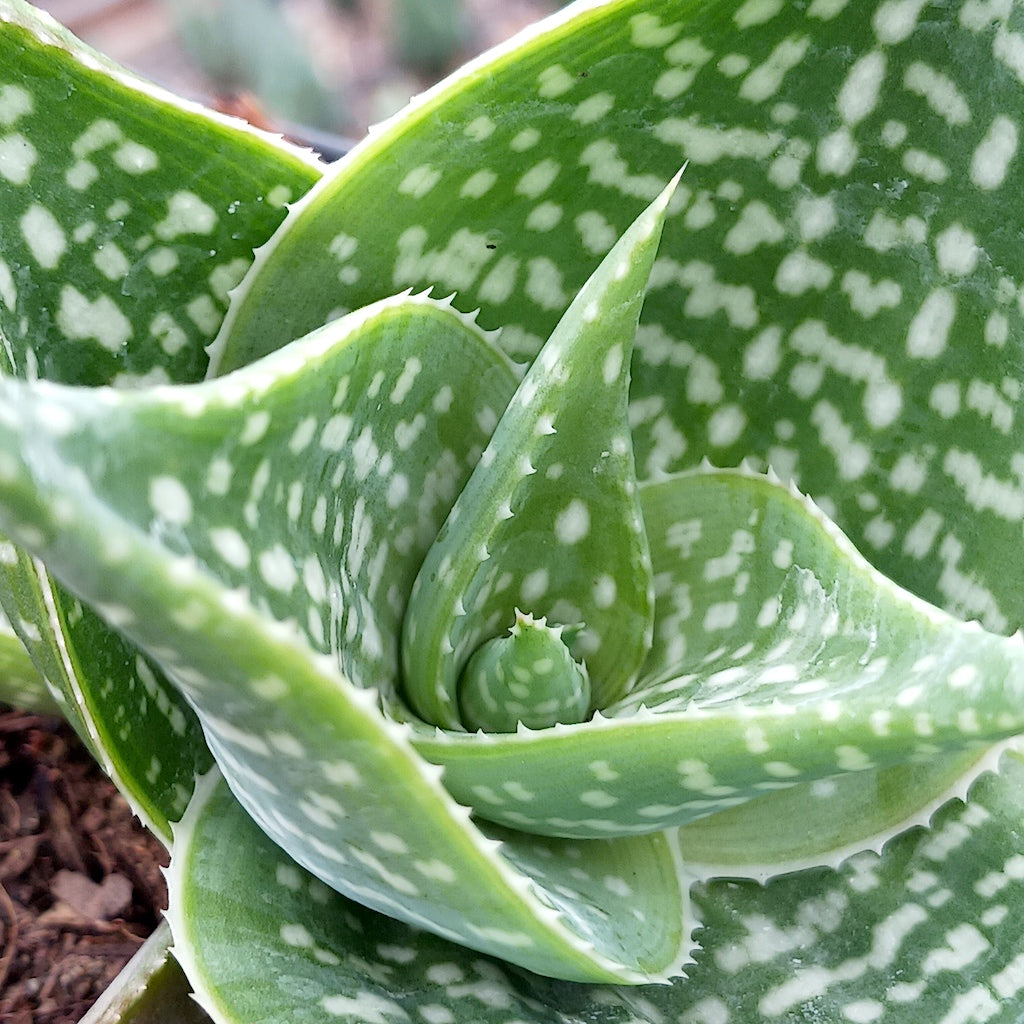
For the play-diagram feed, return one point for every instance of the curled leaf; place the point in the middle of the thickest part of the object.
(271, 591)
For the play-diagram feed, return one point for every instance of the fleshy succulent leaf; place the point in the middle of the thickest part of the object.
(780, 657)
(128, 213)
(923, 932)
(527, 678)
(851, 944)
(344, 962)
(285, 638)
(25, 589)
(836, 296)
(128, 216)
(21, 685)
(550, 521)
(830, 820)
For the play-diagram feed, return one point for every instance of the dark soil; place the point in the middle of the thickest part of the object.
(80, 880)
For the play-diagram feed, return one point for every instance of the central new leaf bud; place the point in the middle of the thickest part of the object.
(528, 676)
(550, 513)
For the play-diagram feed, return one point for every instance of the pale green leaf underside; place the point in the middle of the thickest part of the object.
(827, 821)
(127, 216)
(926, 932)
(21, 686)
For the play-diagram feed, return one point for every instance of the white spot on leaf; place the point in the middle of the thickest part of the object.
(44, 237)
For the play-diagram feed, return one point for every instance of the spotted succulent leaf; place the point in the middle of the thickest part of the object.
(281, 542)
(923, 930)
(135, 723)
(830, 820)
(344, 962)
(128, 216)
(27, 604)
(837, 297)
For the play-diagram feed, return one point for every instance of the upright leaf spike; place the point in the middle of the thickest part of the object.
(550, 521)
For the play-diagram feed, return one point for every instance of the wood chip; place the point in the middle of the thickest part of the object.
(95, 902)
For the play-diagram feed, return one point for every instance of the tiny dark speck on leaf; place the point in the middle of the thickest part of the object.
(491, 245)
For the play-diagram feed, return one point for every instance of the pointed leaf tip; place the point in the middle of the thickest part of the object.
(552, 502)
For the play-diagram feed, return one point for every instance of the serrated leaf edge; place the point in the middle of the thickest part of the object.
(988, 763)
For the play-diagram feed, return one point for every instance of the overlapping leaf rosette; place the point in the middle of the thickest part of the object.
(487, 652)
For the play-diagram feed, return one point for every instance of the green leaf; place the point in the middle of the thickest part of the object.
(527, 679)
(549, 521)
(836, 298)
(924, 932)
(137, 726)
(343, 962)
(21, 686)
(128, 215)
(150, 989)
(829, 820)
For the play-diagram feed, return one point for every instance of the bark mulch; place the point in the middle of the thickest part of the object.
(80, 881)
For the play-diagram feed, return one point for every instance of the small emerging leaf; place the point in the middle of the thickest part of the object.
(526, 678)
(549, 521)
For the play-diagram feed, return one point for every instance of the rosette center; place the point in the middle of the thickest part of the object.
(528, 677)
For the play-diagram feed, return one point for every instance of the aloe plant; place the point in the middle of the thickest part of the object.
(650, 660)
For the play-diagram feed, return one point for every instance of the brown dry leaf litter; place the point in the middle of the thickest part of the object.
(80, 881)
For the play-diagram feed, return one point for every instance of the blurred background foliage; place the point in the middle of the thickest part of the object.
(250, 47)
(321, 71)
